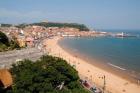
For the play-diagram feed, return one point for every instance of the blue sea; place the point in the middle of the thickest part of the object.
(119, 53)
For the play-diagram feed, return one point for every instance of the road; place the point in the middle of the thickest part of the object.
(10, 57)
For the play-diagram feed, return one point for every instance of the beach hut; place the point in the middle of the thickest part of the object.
(5, 78)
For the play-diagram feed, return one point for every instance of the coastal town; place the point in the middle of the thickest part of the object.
(35, 41)
(31, 42)
(29, 35)
(69, 46)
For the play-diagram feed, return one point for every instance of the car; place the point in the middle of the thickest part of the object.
(86, 84)
(98, 90)
(95, 90)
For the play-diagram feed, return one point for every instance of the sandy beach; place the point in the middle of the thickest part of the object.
(113, 83)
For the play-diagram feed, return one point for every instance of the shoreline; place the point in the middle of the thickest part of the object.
(114, 83)
(114, 69)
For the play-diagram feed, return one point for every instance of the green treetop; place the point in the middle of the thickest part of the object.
(47, 75)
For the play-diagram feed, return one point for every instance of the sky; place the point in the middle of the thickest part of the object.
(96, 14)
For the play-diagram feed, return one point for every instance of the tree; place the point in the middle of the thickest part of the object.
(5, 44)
(45, 76)
(4, 39)
(14, 44)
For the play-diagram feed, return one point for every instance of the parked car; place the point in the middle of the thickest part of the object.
(86, 84)
(95, 90)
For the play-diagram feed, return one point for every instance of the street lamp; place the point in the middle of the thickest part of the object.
(104, 82)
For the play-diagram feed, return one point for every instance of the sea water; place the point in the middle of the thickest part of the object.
(120, 53)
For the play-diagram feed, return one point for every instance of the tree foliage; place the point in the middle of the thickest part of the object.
(22, 25)
(4, 39)
(6, 25)
(81, 27)
(5, 44)
(44, 76)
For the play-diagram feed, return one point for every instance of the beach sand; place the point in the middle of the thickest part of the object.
(113, 83)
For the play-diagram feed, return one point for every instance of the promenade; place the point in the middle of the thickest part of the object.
(10, 57)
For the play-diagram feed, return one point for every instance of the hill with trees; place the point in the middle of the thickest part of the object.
(46, 75)
(81, 27)
(5, 25)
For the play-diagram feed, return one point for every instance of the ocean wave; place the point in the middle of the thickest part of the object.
(116, 66)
